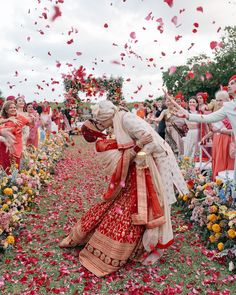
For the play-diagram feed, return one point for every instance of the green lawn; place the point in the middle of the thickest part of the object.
(38, 266)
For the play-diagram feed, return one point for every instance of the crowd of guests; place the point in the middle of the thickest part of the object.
(26, 124)
(185, 137)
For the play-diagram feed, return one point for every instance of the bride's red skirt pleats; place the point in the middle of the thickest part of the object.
(106, 228)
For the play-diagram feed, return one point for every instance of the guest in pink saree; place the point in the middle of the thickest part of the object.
(133, 221)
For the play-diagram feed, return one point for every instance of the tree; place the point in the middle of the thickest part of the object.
(202, 73)
(225, 56)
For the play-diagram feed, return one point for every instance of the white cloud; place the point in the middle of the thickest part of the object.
(32, 61)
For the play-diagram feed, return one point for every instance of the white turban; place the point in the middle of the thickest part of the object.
(104, 110)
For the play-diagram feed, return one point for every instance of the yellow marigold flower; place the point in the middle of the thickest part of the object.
(231, 233)
(30, 192)
(216, 228)
(219, 181)
(8, 191)
(212, 217)
(186, 158)
(212, 238)
(4, 206)
(220, 246)
(185, 198)
(217, 235)
(10, 239)
(213, 208)
(209, 225)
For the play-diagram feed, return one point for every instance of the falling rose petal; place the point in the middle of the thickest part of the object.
(177, 37)
(57, 13)
(133, 35)
(172, 70)
(106, 25)
(60, 1)
(28, 38)
(174, 20)
(163, 53)
(58, 64)
(44, 14)
(122, 183)
(196, 25)
(194, 30)
(213, 44)
(16, 74)
(169, 2)
(218, 29)
(200, 8)
(118, 210)
(149, 16)
(192, 44)
(115, 62)
(208, 75)
(70, 41)
(128, 80)
(191, 75)
(78, 53)
(49, 53)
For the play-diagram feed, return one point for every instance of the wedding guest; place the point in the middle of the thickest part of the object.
(192, 137)
(11, 119)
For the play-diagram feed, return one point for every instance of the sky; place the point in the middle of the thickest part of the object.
(108, 37)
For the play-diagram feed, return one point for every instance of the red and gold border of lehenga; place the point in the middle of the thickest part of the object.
(101, 258)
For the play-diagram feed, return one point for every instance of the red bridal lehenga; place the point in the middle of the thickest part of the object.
(112, 231)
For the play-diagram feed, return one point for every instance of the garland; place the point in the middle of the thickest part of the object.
(79, 81)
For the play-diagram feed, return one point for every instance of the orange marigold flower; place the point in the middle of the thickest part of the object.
(8, 191)
(231, 233)
(212, 238)
(209, 225)
(10, 239)
(220, 246)
(212, 217)
(216, 228)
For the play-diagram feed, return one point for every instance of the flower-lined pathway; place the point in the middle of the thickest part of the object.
(38, 266)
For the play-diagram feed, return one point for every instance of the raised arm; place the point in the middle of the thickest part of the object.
(210, 118)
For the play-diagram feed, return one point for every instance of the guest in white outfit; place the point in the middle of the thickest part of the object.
(192, 137)
(227, 111)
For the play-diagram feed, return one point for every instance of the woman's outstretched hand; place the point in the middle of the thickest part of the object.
(178, 110)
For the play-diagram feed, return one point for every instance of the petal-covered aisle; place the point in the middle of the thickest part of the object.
(38, 266)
